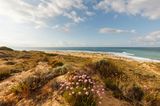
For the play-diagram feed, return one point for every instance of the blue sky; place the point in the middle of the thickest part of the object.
(79, 23)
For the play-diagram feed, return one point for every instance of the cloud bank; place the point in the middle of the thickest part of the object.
(153, 37)
(25, 12)
(145, 8)
(106, 30)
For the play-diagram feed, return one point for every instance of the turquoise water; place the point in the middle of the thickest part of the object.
(145, 52)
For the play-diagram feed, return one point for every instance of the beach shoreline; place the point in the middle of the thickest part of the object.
(103, 54)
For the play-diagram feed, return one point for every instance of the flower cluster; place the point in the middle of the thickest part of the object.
(83, 84)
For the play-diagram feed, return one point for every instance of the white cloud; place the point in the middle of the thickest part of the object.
(89, 13)
(24, 12)
(55, 26)
(146, 8)
(66, 29)
(153, 37)
(114, 31)
(73, 15)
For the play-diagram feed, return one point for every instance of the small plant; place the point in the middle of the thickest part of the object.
(10, 63)
(113, 86)
(135, 93)
(4, 74)
(82, 90)
(57, 64)
(28, 85)
(107, 69)
(55, 85)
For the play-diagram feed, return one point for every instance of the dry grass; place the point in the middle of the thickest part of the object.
(134, 82)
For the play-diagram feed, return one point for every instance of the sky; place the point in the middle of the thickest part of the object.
(80, 23)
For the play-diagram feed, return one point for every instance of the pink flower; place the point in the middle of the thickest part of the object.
(67, 87)
(72, 92)
(77, 83)
(86, 93)
(100, 102)
(80, 77)
(72, 83)
(92, 90)
(79, 93)
(85, 80)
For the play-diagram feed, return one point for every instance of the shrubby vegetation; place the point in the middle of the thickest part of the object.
(94, 79)
(37, 80)
(82, 90)
(6, 48)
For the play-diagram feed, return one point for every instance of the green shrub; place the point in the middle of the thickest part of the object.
(5, 48)
(28, 85)
(135, 93)
(36, 81)
(51, 54)
(113, 86)
(60, 70)
(10, 63)
(57, 64)
(4, 74)
(107, 69)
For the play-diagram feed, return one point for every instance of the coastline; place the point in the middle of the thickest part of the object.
(123, 56)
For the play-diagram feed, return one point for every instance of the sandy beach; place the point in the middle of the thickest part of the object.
(104, 54)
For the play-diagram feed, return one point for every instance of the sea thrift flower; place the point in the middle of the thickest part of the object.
(79, 93)
(67, 87)
(83, 84)
(84, 89)
(100, 102)
(73, 92)
(85, 80)
(92, 90)
(77, 83)
(86, 93)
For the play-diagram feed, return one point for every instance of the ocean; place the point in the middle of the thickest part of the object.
(143, 52)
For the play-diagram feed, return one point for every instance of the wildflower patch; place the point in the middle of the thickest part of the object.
(82, 90)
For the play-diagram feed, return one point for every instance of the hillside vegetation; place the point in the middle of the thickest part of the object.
(34, 78)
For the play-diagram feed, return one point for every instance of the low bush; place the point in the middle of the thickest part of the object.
(135, 93)
(82, 90)
(56, 63)
(6, 48)
(10, 63)
(26, 86)
(4, 74)
(34, 82)
(114, 87)
(107, 69)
